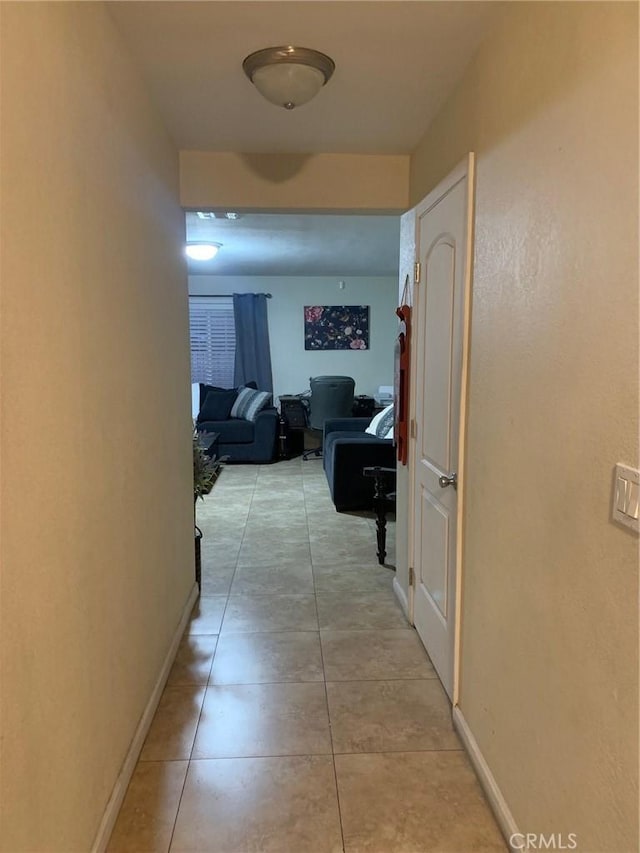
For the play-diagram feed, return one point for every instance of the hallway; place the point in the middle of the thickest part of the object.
(302, 714)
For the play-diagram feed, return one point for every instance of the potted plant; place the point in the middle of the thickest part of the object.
(206, 469)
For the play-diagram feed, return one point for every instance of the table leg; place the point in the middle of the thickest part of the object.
(198, 538)
(379, 505)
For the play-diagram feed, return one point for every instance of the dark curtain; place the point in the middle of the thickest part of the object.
(253, 355)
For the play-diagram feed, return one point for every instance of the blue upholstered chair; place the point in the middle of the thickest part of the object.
(347, 450)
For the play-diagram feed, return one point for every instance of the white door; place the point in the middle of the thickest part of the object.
(441, 300)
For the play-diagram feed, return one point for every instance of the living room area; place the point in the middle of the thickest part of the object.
(299, 261)
(289, 305)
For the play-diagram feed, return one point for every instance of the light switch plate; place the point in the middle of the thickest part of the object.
(624, 503)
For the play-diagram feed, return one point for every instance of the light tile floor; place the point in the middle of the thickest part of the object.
(302, 714)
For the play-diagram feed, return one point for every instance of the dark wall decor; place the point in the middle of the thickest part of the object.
(336, 327)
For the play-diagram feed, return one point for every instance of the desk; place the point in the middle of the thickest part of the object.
(293, 411)
(366, 407)
(382, 404)
(363, 406)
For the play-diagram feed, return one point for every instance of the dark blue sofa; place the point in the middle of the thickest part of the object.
(245, 441)
(242, 440)
(346, 450)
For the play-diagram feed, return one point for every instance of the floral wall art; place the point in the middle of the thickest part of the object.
(336, 327)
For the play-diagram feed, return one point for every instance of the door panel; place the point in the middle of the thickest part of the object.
(443, 223)
(435, 547)
(439, 294)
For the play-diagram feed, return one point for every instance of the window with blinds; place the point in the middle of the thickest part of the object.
(213, 340)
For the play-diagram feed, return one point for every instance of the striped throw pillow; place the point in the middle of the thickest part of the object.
(249, 402)
(385, 424)
(382, 424)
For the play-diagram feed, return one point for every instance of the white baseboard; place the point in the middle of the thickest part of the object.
(124, 777)
(401, 596)
(489, 785)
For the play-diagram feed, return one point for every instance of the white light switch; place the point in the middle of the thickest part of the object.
(626, 496)
(621, 494)
(632, 500)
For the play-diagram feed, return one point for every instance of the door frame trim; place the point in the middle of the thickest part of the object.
(462, 436)
(464, 169)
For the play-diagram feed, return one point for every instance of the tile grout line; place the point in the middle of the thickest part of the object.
(333, 754)
(324, 681)
(175, 819)
(314, 754)
(300, 681)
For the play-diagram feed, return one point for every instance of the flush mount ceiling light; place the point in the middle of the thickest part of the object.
(202, 251)
(288, 76)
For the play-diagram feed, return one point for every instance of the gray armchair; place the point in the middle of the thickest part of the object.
(331, 397)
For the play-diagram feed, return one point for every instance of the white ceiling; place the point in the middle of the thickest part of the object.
(396, 62)
(298, 245)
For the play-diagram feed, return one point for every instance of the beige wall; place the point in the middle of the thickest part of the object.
(550, 631)
(294, 181)
(97, 513)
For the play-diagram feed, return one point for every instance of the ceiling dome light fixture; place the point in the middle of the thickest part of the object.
(202, 251)
(288, 76)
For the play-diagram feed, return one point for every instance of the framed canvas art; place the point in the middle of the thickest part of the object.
(336, 327)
